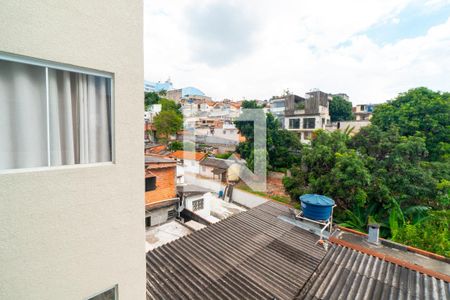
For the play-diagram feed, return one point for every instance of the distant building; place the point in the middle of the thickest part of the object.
(304, 115)
(187, 160)
(225, 110)
(161, 201)
(353, 126)
(189, 93)
(342, 95)
(196, 107)
(215, 168)
(281, 106)
(150, 86)
(363, 112)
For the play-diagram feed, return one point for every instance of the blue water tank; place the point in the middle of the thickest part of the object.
(316, 207)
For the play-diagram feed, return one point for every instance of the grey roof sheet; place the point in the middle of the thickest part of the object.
(157, 159)
(217, 163)
(256, 255)
(251, 255)
(348, 274)
(191, 188)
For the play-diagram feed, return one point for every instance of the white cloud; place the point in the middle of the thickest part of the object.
(256, 49)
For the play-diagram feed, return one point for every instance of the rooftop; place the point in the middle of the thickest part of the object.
(257, 255)
(251, 255)
(180, 154)
(217, 163)
(165, 233)
(153, 159)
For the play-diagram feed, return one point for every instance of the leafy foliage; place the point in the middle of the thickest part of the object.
(177, 145)
(432, 233)
(282, 146)
(340, 109)
(167, 123)
(421, 112)
(169, 120)
(395, 172)
(224, 155)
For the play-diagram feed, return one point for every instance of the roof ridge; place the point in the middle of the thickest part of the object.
(390, 259)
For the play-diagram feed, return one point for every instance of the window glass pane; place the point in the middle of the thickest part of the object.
(80, 118)
(309, 123)
(107, 295)
(150, 184)
(23, 116)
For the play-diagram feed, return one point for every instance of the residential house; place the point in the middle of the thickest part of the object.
(280, 105)
(156, 149)
(71, 198)
(189, 93)
(204, 206)
(149, 128)
(161, 201)
(199, 107)
(226, 110)
(188, 160)
(215, 168)
(304, 115)
(363, 112)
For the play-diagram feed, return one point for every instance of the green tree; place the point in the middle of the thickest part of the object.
(151, 98)
(167, 123)
(340, 109)
(431, 233)
(170, 105)
(419, 111)
(282, 146)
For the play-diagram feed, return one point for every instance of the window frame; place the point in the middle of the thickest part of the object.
(149, 217)
(291, 122)
(170, 212)
(70, 68)
(305, 123)
(196, 207)
(150, 185)
(116, 292)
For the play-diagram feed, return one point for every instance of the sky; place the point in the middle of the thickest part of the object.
(256, 49)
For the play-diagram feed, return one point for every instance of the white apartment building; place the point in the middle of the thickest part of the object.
(305, 115)
(71, 159)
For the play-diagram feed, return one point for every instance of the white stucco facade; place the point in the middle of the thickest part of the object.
(72, 232)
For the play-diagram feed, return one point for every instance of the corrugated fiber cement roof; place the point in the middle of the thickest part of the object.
(255, 255)
(251, 255)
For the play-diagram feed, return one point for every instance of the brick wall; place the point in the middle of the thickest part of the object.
(165, 185)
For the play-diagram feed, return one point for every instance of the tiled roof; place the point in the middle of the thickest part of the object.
(180, 154)
(348, 274)
(256, 255)
(153, 159)
(251, 255)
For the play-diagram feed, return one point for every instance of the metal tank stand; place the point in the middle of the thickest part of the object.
(324, 224)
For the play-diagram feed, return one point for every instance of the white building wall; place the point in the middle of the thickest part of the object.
(71, 232)
(206, 171)
(206, 204)
(191, 166)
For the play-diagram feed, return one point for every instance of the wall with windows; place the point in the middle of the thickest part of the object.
(160, 215)
(163, 185)
(199, 204)
(72, 221)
